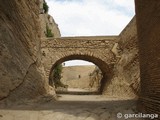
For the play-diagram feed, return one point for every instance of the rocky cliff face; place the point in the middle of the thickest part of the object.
(20, 73)
(47, 21)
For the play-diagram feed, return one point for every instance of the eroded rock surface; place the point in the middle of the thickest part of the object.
(20, 76)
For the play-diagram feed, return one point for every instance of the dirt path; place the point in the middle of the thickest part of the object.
(71, 107)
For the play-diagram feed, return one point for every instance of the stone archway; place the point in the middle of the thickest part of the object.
(103, 66)
(92, 49)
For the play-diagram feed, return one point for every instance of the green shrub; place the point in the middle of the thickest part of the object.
(57, 76)
(45, 7)
(48, 32)
(58, 71)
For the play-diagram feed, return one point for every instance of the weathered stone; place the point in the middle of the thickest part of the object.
(27, 59)
(47, 20)
(96, 51)
(20, 50)
(125, 81)
(116, 56)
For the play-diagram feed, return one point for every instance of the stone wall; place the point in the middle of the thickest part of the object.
(130, 56)
(126, 70)
(56, 51)
(118, 54)
(20, 76)
(27, 57)
(148, 24)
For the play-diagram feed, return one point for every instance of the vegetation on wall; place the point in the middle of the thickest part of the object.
(57, 76)
(45, 7)
(49, 32)
(95, 78)
(57, 71)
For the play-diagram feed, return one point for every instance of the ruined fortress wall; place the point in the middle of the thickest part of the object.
(125, 81)
(20, 76)
(148, 26)
(61, 50)
(119, 52)
(129, 61)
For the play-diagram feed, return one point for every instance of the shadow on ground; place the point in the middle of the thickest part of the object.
(68, 110)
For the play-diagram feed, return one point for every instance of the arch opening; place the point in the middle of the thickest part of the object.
(80, 77)
(100, 68)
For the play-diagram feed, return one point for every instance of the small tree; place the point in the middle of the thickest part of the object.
(45, 7)
(48, 32)
(57, 76)
(57, 72)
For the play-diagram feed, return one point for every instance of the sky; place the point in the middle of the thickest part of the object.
(91, 17)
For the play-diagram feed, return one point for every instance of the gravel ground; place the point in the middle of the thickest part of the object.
(71, 107)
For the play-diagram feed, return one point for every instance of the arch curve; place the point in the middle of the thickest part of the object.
(103, 66)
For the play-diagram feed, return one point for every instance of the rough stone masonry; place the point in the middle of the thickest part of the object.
(25, 70)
